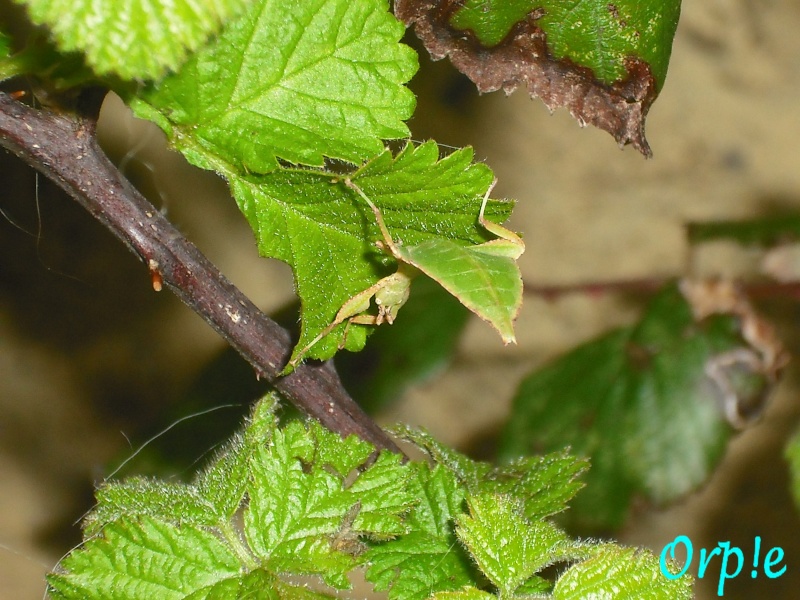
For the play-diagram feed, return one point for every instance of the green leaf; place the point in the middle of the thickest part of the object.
(766, 231)
(416, 565)
(134, 39)
(792, 454)
(396, 358)
(535, 587)
(305, 514)
(255, 585)
(312, 505)
(507, 548)
(429, 558)
(215, 495)
(618, 30)
(468, 593)
(5, 45)
(615, 572)
(543, 484)
(640, 403)
(326, 232)
(322, 506)
(136, 497)
(224, 482)
(440, 498)
(144, 559)
(296, 80)
(469, 473)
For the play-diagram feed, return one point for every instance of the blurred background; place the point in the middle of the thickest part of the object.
(93, 362)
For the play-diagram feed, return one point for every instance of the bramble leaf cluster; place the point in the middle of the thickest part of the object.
(281, 505)
(133, 39)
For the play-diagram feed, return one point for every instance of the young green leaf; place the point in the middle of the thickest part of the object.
(312, 505)
(256, 585)
(468, 593)
(305, 515)
(133, 39)
(648, 404)
(508, 549)
(326, 232)
(535, 587)
(322, 506)
(142, 559)
(224, 482)
(440, 498)
(469, 473)
(615, 572)
(138, 497)
(215, 495)
(416, 565)
(295, 80)
(429, 558)
(542, 485)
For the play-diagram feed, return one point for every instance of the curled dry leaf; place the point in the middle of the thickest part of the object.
(764, 355)
(523, 57)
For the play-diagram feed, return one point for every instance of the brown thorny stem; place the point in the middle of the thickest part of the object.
(64, 148)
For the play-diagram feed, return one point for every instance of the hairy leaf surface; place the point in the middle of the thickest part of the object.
(506, 547)
(280, 508)
(134, 39)
(615, 572)
(297, 80)
(140, 558)
(542, 485)
(429, 558)
(312, 505)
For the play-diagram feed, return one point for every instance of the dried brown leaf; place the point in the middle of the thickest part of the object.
(523, 58)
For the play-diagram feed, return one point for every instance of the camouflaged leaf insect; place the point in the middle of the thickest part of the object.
(485, 277)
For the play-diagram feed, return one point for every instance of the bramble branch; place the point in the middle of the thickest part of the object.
(64, 148)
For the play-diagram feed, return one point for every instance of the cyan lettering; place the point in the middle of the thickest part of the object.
(769, 563)
(705, 558)
(723, 570)
(670, 549)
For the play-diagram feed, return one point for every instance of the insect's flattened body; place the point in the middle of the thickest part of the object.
(485, 278)
(394, 294)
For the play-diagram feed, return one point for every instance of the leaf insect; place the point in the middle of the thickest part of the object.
(485, 278)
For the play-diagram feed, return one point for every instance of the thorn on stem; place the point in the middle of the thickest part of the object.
(155, 275)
